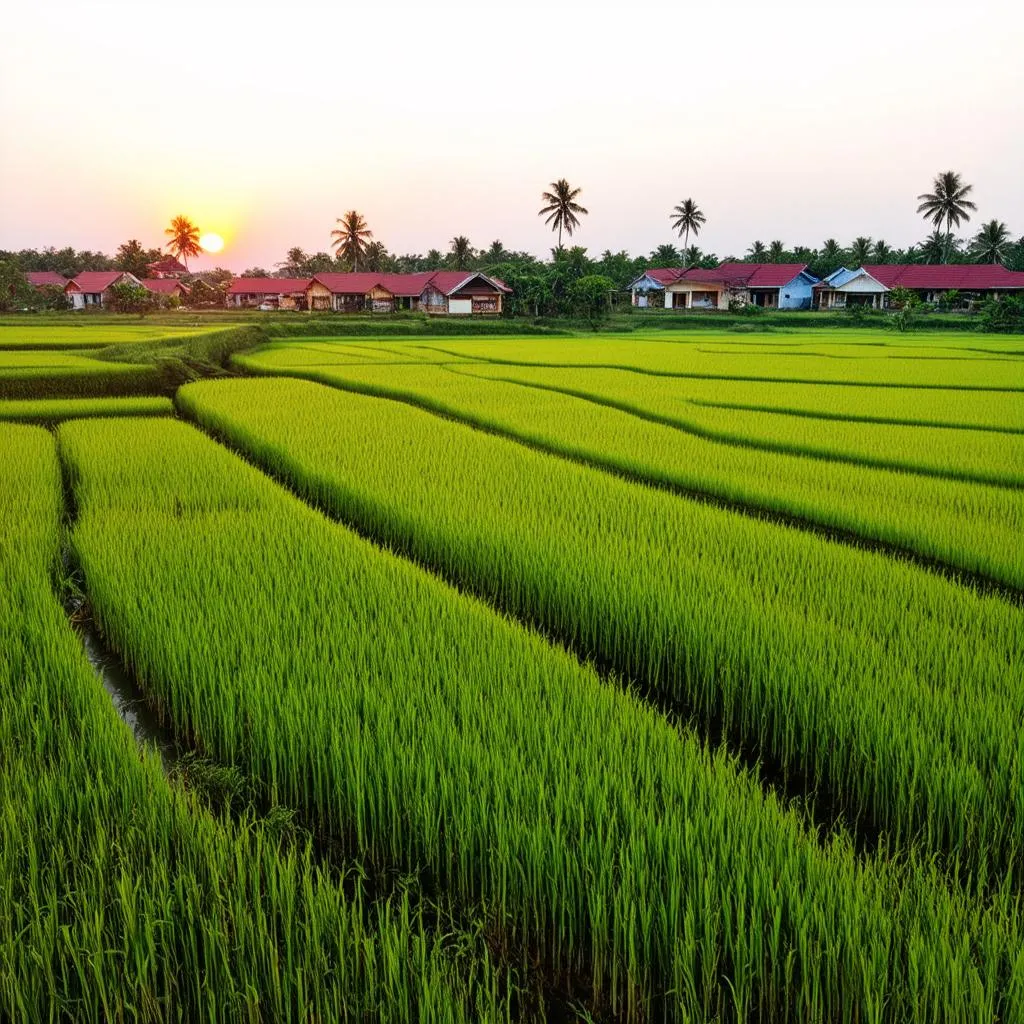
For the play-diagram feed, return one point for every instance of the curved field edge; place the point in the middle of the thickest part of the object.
(941, 525)
(809, 652)
(610, 839)
(121, 896)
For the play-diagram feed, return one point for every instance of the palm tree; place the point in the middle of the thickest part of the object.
(947, 202)
(757, 253)
(776, 251)
(882, 252)
(376, 257)
(496, 253)
(860, 251)
(992, 243)
(693, 257)
(935, 248)
(460, 253)
(688, 217)
(184, 239)
(665, 256)
(350, 240)
(562, 208)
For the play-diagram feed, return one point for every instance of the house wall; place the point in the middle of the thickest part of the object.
(433, 301)
(642, 292)
(318, 296)
(687, 288)
(797, 294)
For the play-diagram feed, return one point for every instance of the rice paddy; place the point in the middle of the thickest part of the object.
(655, 677)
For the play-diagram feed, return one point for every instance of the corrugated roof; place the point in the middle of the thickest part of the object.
(948, 277)
(748, 275)
(95, 281)
(267, 285)
(42, 278)
(168, 265)
(163, 285)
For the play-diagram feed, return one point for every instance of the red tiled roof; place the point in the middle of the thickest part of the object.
(42, 278)
(448, 281)
(267, 285)
(349, 284)
(664, 275)
(168, 265)
(748, 275)
(163, 285)
(406, 285)
(95, 281)
(954, 276)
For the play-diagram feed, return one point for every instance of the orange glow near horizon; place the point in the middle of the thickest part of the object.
(211, 242)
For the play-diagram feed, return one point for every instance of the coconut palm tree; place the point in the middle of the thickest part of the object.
(776, 251)
(860, 251)
(349, 241)
(688, 217)
(757, 253)
(693, 257)
(935, 248)
(992, 243)
(665, 256)
(562, 208)
(882, 252)
(377, 258)
(184, 239)
(947, 202)
(461, 253)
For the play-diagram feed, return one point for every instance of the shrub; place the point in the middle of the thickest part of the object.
(1004, 315)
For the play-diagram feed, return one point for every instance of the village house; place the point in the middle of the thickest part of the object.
(166, 268)
(91, 286)
(166, 286)
(770, 285)
(454, 292)
(973, 281)
(844, 289)
(46, 279)
(268, 292)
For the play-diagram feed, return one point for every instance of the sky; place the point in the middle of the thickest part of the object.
(264, 122)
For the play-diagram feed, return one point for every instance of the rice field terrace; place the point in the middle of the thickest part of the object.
(649, 677)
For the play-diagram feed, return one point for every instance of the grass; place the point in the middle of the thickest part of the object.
(121, 897)
(66, 333)
(59, 409)
(966, 527)
(38, 375)
(889, 688)
(613, 846)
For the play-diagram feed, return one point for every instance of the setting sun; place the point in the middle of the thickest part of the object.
(211, 242)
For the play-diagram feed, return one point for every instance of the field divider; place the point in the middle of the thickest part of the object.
(977, 582)
(736, 441)
(815, 804)
(649, 372)
(850, 417)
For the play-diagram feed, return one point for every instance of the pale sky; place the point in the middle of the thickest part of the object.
(266, 121)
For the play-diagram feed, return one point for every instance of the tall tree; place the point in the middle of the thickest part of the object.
(184, 239)
(776, 251)
(132, 258)
(860, 251)
(947, 202)
(377, 258)
(562, 208)
(882, 252)
(350, 239)
(495, 253)
(665, 256)
(688, 217)
(935, 248)
(460, 253)
(295, 263)
(992, 243)
(757, 253)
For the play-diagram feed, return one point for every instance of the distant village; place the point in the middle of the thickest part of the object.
(732, 284)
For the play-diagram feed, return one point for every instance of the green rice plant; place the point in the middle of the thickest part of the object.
(690, 358)
(121, 898)
(930, 450)
(967, 527)
(886, 685)
(420, 728)
(56, 409)
(69, 335)
(36, 374)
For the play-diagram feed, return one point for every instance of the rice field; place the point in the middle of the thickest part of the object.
(643, 678)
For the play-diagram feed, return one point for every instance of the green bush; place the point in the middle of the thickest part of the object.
(1004, 315)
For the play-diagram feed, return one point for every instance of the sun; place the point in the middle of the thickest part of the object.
(211, 242)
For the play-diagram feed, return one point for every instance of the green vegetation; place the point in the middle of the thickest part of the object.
(58, 409)
(123, 898)
(885, 684)
(422, 729)
(968, 528)
(69, 333)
